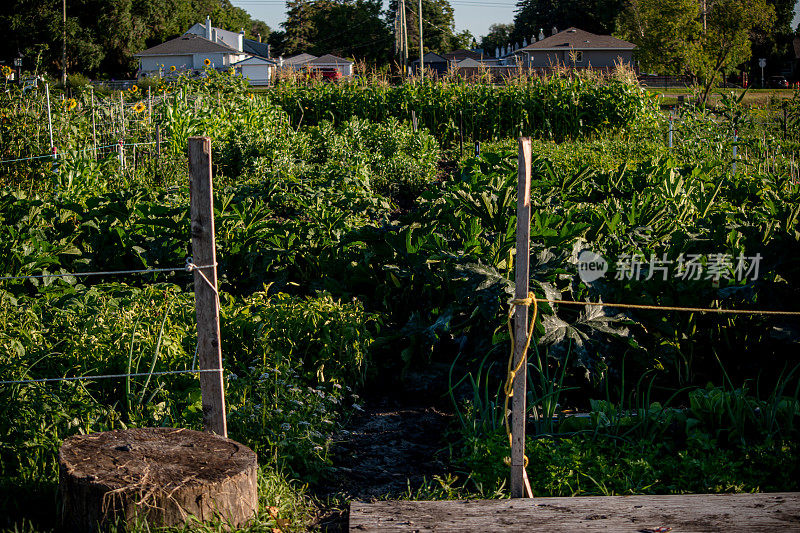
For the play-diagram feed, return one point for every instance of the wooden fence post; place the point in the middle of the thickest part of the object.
(518, 476)
(209, 346)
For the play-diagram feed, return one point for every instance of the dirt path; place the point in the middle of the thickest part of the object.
(383, 451)
(386, 448)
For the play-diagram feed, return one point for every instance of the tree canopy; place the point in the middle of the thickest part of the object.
(438, 27)
(103, 35)
(346, 28)
(499, 35)
(595, 16)
(674, 36)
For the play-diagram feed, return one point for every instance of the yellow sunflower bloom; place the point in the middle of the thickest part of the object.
(7, 71)
(134, 89)
(139, 107)
(172, 68)
(70, 104)
(207, 62)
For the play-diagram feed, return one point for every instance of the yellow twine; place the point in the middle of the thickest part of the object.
(508, 389)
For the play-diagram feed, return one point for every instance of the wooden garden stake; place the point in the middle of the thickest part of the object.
(94, 126)
(209, 347)
(519, 479)
(49, 117)
(461, 133)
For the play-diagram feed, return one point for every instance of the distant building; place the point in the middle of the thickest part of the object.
(434, 63)
(202, 46)
(186, 53)
(327, 67)
(577, 49)
(258, 70)
(232, 39)
(459, 55)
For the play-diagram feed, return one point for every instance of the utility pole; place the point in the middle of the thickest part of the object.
(401, 35)
(64, 42)
(705, 12)
(421, 60)
(404, 36)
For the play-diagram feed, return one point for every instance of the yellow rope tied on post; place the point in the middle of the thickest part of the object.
(508, 389)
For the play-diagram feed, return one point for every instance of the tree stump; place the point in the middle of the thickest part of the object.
(165, 476)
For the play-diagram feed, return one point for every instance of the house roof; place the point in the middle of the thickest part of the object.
(579, 40)
(225, 37)
(299, 59)
(460, 54)
(469, 62)
(255, 60)
(255, 48)
(186, 44)
(430, 57)
(329, 59)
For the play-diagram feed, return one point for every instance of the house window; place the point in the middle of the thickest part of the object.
(576, 56)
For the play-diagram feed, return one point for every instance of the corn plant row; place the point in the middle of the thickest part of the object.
(553, 107)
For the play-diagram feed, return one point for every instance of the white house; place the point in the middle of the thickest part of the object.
(222, 48)
(230, 39)
(187, 52)
(257, 70)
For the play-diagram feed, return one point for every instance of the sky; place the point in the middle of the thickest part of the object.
(473, 15)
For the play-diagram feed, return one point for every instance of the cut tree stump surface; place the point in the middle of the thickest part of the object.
(164, 475)
(777, 512)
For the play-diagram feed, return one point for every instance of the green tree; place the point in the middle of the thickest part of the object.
(776, 45)
(726, 43)
(665, 32)
(346, 28)
(438, 27)
(103, 35)
(499, 35)
(596, 16)
(672, 39)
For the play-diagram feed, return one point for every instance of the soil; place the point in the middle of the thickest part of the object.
(394, 446)
(388, 449)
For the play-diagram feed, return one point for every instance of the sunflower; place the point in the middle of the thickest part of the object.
(7, 71)
(70, 104)
(134, 89)
(207, 62)
(172, 68)
(139, 107)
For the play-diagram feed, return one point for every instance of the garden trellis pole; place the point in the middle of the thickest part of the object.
(421, 51)
(518, 476)
(94, 126)
(49, 117)
(209, 346)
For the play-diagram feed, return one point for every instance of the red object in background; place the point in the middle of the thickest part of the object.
(331, 74)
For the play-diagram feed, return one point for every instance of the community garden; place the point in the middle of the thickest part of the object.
(366, 241)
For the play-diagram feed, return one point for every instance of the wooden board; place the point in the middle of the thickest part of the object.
(776, 512)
